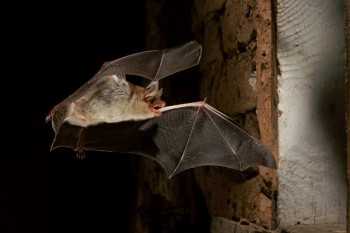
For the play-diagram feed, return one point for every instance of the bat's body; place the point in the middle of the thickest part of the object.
(109, 113)
(115, 100)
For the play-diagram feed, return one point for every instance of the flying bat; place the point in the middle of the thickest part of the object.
(109, 113)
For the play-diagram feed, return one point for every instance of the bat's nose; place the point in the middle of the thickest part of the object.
(162, 103)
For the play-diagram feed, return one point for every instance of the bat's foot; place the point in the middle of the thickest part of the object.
(81, 154)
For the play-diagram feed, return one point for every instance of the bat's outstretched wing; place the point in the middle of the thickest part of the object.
(184, 137)
(153, 65)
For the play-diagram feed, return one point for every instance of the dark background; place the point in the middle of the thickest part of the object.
(48, 51)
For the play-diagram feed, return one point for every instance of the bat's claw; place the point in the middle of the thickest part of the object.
(81, 154)
(48, 117)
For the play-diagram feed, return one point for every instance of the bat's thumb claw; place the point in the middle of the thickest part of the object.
(48, 118)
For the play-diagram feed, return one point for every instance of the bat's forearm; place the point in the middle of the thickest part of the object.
(193, 104)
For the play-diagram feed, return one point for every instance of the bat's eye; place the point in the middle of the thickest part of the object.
(151, 100)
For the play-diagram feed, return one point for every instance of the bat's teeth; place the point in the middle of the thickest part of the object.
(158, 105)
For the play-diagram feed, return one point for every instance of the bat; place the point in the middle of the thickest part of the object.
(109, 113)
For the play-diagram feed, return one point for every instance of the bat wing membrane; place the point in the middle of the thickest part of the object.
(153, 65)
(184, 137)
(200, 135)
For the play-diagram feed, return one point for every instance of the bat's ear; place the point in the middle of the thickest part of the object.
(120, 80)
(152, 89)
(159, 93)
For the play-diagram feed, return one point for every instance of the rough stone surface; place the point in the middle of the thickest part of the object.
(237, 79)
(235, 76)
(222, 225)
(315, 228)
(312, 185)
(348, 104)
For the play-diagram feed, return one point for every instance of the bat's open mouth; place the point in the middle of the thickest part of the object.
(156, 106)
